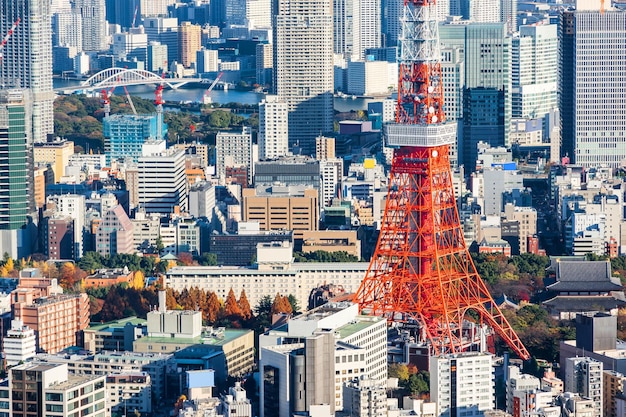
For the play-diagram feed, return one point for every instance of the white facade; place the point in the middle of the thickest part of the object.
(207, 61)
(518, 381)
(19, 345)
(360, 351)
(369, 78)
(67, 30)
(154, 8)
(356, 27)
(202, 200)
(236, 403)
(331, 171)
(295, 278)
(273, 128)
(162, 180)
(303, 67)
(27, 58)
(583, 375)
(135, 41)
(598, 80)
(234, 149)
(93, 21)
(473, 376)
(73, 205)
(259, 14)
(129, 391)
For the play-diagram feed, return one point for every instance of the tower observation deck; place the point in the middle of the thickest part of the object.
(421, 271)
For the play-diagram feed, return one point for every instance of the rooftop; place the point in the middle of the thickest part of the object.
(212, 339)
(116, 324)
(75, 380)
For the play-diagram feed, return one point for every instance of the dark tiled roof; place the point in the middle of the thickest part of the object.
(585, 276)
(584, 303)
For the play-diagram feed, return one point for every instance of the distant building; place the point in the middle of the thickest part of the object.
(115, 233)
(58, 232)
(188, 43)
(288, 170)
(202, 200)
(234, 149)
(108, 277)
(124, 135)
(273, 128)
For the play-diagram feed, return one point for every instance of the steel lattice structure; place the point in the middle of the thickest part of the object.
(421, 269)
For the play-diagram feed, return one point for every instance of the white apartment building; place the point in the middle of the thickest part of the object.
(369, 78)
(162, 179)
(207, 61)
(27, 59)
(462, 382)
(517, 381)
(331, 171)
(303, 67)
(332, 345)
(273, 128)
(356, 27)
(583, 375)
(67, 30)
(365, 397)
(129, 392)
(233, 150)
(20, 343)
(526, 217)
(134, 42)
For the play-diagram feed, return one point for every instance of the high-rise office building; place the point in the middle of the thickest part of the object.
(462, 384)
(16, 164)
(259, 14)
(592, 84)
(162, 179)
(273, 128)
(303, 67)
(356, 27)
(67, 30)
(165, 31)
(391, 13)
(264, 63)
(93, 22)
(188, 43)
(534, 71)
(27, 58)
(487, 88)
(154, 8)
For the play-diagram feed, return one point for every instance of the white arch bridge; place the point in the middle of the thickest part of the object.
(117, 77)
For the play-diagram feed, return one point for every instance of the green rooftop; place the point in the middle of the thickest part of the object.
(351, 328)
(116, 324)
(209, 340)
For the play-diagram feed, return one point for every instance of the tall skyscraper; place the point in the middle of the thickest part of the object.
(356, 27)
(273, 128)
(16, 164)
(27, 58)
(486, 97)
(592, 84)
(391, 12)
(303, 67)
(93, 22)
(188, 43)
(534, 84)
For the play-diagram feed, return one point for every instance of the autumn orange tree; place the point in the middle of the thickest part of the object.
(244, 305)
(281, 305)
(232, 311)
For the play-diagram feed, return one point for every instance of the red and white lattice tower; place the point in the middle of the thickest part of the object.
(421, 271)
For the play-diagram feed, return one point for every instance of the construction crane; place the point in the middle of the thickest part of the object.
(105, 98)
(134, 17)
(206, 98)
(130, 101)
(8, 35)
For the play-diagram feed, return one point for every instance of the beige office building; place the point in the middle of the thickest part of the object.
(56, 154)
(280, 207)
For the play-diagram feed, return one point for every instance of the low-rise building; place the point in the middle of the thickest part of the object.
(108, 277)
(117, 335)
(129, 392)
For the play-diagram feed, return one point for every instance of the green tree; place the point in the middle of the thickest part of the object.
(398, 370)
(416, 384)
(293, 302)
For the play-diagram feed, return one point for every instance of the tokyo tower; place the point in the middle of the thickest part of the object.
(421, 271)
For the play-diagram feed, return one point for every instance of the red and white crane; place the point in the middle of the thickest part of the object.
(206, 99)
(158, 101)
(8, 35)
